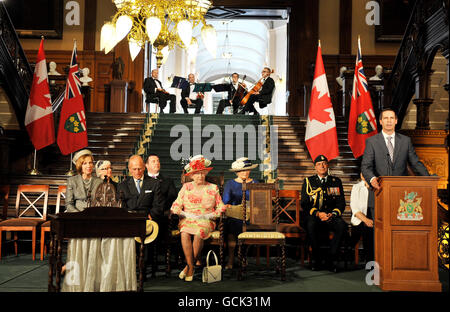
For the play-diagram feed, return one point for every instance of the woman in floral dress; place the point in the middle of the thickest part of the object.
(197, 204)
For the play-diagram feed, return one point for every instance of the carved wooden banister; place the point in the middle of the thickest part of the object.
(16, 73)
(426, 33)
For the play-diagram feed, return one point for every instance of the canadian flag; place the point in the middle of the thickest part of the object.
(321, 135)
(39, 115)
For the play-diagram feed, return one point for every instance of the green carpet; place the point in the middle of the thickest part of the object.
(204, 134)
(22, 274)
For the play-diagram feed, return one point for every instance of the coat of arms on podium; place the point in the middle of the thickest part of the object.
(410, 209)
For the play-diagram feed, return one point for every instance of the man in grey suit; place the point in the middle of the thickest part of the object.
(388, 154)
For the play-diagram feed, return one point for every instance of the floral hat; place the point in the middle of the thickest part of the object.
(196, 164)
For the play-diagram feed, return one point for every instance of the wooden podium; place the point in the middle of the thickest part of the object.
(406, 233)
(93, 223)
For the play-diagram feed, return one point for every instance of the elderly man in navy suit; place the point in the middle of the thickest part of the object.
(387, 154)
(141, 193)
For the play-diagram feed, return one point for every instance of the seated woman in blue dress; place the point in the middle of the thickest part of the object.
(232, 195)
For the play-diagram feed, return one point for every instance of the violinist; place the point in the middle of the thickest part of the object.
(153, 89)
(235, 93)
(189, 97)
(259, 93)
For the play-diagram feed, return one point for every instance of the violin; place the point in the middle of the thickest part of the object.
(255, 89)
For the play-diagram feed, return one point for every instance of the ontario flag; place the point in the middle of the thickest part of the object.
(72, 134)
(321, 135)
(362, 122)
(39, 114)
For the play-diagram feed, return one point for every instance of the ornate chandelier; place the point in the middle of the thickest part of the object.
(164, 23)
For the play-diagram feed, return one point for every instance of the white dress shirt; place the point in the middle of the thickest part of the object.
(358, 201)
(158, 85)
(386, 138)
(192, 94)
(154, 176)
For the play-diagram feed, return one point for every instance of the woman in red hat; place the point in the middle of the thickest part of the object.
(197, 204)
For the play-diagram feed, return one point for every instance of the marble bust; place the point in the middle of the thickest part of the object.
(378, 73)
(340, 78)
(52, 69)
(85, 79)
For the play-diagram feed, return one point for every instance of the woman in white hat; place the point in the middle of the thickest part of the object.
(118, 255)
(83, 254)
(197, 204)
(232, 195)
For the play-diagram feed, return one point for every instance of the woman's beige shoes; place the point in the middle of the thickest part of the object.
(189, 278)
(183, 273)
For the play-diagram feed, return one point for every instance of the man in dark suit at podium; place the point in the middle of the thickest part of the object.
(388, 154)
(189, 97)
(323, 200)
(154, 90)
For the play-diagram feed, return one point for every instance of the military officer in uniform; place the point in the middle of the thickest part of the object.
(324, 202)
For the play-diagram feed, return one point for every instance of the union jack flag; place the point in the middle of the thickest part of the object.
(72, 131)
(359, 82)
(73, 85)
(361, 123)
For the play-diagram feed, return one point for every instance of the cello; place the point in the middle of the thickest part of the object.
(241, 90)
(255, 89)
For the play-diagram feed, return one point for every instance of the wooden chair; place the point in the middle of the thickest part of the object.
(4, 196)
(45, 227)
(264, 223)
(29, 219)
(289, 214)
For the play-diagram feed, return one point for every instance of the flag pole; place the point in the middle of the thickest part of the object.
(70, 172)
(34, 171)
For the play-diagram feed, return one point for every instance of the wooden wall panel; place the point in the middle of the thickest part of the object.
(133, 73)
(103, 69)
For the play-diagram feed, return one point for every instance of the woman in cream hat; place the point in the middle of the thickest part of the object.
(197, 204)
(83, 251)
(232, 195)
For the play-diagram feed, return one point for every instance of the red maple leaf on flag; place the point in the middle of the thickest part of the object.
(317, 108)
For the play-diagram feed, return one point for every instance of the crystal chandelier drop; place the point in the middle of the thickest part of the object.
(163, 23)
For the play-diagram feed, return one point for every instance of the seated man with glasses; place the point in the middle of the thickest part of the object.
(261, 92)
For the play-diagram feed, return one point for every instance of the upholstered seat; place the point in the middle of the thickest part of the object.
(261, 235)
(215, 235)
